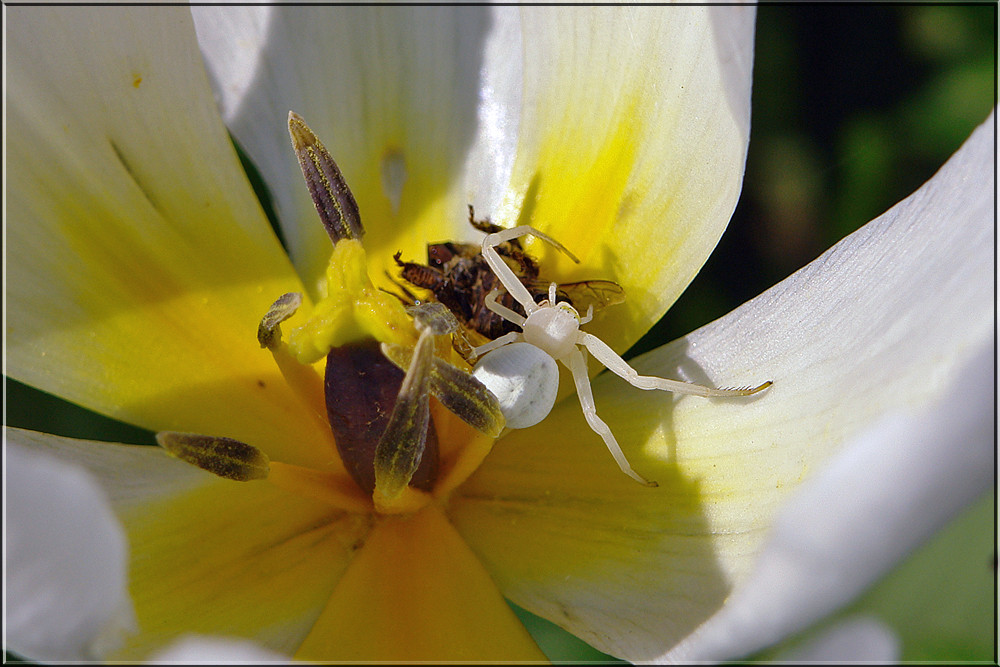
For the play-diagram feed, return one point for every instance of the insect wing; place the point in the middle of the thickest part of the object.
(597, 293)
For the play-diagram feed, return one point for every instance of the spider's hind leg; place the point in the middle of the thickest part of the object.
(577, 363)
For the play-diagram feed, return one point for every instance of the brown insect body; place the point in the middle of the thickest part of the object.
(459, 277)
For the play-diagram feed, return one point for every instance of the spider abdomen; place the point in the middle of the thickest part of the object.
(524, 379)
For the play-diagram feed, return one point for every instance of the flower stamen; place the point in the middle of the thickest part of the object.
(225, 457)
(379, 417)
(334, 201)
(459, 392)
(301, 378)
(269, 330)
(401, 446)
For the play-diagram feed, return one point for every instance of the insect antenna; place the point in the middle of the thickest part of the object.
(408, 298)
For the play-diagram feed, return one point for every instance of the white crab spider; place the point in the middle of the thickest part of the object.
(520, 368)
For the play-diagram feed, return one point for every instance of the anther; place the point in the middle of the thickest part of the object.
(224, 457)
(334, 202)
(269, 329)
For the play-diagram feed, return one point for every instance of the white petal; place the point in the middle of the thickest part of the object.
(860, 639)
(886, 492)
(140, 261)
(181, 552)
(232, 43)
(631, 146)
(491, 155)
(881, 354)
(428, 110)
(66, 596)
(879, 335)
(199, 650)
(392, 92)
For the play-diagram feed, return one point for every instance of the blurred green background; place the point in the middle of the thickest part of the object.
(854, 107)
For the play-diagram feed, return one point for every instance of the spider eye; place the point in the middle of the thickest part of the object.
(524, 379)
(565, 306)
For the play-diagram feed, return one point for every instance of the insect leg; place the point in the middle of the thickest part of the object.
(505, 275)
(525, 230)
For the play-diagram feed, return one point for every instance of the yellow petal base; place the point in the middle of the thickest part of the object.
(415, 592)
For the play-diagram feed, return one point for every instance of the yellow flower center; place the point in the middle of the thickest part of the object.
(364, 391)
(398, 447)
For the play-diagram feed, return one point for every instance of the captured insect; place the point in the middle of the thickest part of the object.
(459, 277)
(520, 368)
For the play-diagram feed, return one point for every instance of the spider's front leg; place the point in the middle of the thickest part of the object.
(577, 364)
(503, 311)
(620, 367)
(552, 301)
(512, 337)
(504, 273)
